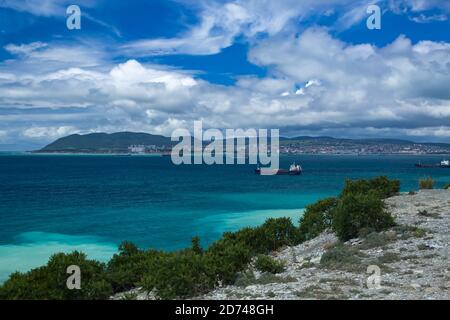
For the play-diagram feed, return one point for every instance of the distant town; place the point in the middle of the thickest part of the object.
(337, 146)
(326, 148)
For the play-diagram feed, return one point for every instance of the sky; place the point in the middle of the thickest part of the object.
(306, 67)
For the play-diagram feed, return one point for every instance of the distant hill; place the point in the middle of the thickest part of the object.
(119, 143)
(103, 142)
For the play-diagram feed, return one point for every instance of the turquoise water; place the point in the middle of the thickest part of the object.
(91, 203)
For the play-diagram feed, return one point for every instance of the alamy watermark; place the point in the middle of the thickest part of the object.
(74, 280)
(374, 20)
(73, 21)
(374, 280)
(237, 146)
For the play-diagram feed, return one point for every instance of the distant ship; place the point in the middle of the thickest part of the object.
(443, 164)
(294, 170)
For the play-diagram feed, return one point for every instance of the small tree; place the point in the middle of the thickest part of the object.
(49, 282)
(357, 211)
(196, 247)
(317, 218)
(382, 186)
(266, 263)
(427, 183)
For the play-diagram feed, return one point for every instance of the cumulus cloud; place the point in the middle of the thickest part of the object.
(52, 132)
(341, 88)
(222, 22)
(315, 83)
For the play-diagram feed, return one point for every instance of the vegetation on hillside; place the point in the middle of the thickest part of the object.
(426, 183)
(193, 271)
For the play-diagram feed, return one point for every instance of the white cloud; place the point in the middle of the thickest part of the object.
(44, 7)
(341, 88)
(25, 49)
(422, 18)
(400, 6)
(49, 132)
(217, 30)
(222, 22)
(57, 8)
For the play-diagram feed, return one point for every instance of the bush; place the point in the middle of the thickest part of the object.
(196, 247)
(265, 263)
(447, 186)
(381, 186)
(357, 211)
(342, 257)
(427, 183)
(274, 234)
(317, 218)
(245, 278)
(226, 258)
(178, 275)
(127, 268)
(377, 239)
(49, 282)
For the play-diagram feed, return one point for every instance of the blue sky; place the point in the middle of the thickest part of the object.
(307, 67)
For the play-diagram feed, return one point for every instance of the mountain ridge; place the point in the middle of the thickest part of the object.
(120, 141)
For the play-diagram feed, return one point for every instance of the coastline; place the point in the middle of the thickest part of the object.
(282, 154)
(37, 247)
(414, 265)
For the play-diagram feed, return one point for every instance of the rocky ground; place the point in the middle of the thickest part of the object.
(411, 258)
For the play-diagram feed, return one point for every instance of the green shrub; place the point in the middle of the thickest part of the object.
(127, 268)
(226, 258)
(274, 234)
(265, 263)
(178, 275)
(49, 282)
(377, 239)
(381, 186)
(245, 278)
(181, 274)
(357, 211)
(427, 183)
(389, 257)
(447, 186)
(317, 218)
(342, 257)
(196, 247)
(406, 232)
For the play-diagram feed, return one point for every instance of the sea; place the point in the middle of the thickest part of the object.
(91, 203)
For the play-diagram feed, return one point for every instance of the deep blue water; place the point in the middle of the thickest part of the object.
(52, 203)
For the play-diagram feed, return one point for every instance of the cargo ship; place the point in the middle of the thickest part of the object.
(294, 170)
(443, 164)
